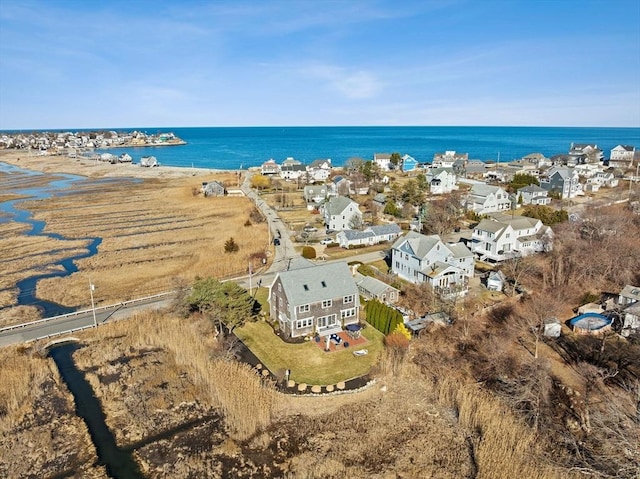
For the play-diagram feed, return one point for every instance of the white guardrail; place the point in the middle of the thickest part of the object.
(84, 311)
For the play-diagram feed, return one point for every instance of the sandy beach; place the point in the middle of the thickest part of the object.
(97, 169)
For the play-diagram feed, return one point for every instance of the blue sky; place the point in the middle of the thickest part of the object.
(98, 64)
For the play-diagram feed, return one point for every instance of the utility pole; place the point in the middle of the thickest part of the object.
(93, 306)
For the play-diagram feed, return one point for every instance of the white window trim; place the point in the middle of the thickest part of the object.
(304, 308)
(348, 313)
(348, 299)
(327, 303)
(304, 323)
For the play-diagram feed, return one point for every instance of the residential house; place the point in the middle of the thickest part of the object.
(622, 156)
(448, 158)
(319, 170)
(474, 168)
(315, 194)
(499, 174)
(341, 186)
(605, 178)
(502, 237)
(630, 294)
(293, 171)
(533, 195)
(341, 213)
(373, 288)
(427, 259)
(561, 180)
(496, 281)
(629, 303)
(149, 161)
(270, 168)
(383, 160)
(369, 236)
(314, 299)
(441, 180)
(483, 199)
(409, 163)
(537, 159)
(213, 188)
(590, 151)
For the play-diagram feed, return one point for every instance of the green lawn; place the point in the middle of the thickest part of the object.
(307, 362)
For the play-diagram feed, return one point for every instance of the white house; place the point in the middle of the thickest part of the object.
(622, 156)
(341, 213)
(590, 151)
(533, 195)
(369, 236)
(441, 180)
(319, 170)
(315, 194)
(605, 178)
(270, 168)
(427, 259)
(448, 158)
(383, 160)
(485, 199)
(504, 237)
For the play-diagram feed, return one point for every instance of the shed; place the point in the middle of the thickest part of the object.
(495, 281)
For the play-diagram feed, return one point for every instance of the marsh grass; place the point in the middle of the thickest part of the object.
(20, 375)
(246, 401)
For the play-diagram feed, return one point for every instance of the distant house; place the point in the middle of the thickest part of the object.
(441, 180)
(213, 188)
(315, 194)
(270, 168)
(605, 178)
(373, 288)
(149, 161)
(409, 163)
(125, 158)
(561, 180)
(496, 281)
(369, 236)
(448, 158)
(319, 170)
(292, 171)
(383, 160)
(537, 159)
(622, 156)
(590, 151)
(314, 299)
(427, 259)
(629, 295)
(340, 186)
(341, 213)
(483, 199)
(498, 239)
(533, 195)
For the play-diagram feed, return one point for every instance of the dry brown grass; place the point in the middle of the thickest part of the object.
(39, 432)
(246, 402)
(152, 232)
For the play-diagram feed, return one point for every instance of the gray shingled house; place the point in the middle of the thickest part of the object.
(309, 299)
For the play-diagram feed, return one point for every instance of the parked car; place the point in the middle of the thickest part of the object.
(310, 229)
(276, 241)
(327, 241)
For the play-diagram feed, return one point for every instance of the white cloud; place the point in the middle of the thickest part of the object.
(352, 84)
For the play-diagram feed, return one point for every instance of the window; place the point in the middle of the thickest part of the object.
(304, 323)
(327, 303)
(348, 299)
(304, 308)
(324, 285)
(507, 235)
(348, 313)
(306, 288)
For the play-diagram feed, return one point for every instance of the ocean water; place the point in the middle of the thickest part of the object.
(242, 147)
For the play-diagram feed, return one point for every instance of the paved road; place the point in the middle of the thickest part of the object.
(77, 321)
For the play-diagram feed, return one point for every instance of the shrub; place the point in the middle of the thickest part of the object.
(308, 252)
(396, 340)
(230, 246)
(248, 222)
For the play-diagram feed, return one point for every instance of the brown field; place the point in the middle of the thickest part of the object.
(170, 395)
(154, 232)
